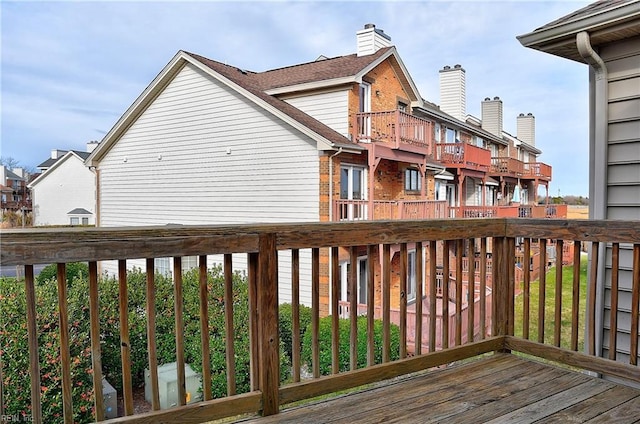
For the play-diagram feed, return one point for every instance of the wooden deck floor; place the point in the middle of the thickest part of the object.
(502, 388)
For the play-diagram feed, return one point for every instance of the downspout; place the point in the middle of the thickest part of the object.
(331, 183)
(598, 140)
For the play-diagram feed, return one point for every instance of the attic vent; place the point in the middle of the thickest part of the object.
(242, 71)
(321, 57)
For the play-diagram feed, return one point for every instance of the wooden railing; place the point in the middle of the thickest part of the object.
(313, 253)
(354, 210)
(395, 129)
(463, 155)
(537, 170)
(506, 166)
(520, 211)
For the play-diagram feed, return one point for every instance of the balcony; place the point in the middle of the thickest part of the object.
(520, 211)
(496, 385)
(537, 170)
(355, 210)
(464, 156)
(396, 130)
(507, 167)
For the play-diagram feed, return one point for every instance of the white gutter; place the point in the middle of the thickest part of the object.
(599, 120)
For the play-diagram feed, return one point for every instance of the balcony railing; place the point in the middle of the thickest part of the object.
(354, 210)
(537, 170)
(521, 211)
(509, 167)
(261, 247)
(395, 129)
(463, 155)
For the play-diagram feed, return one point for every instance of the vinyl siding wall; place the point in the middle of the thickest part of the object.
(203, 154)
(623, 173)
(330, 108)
(68, 186)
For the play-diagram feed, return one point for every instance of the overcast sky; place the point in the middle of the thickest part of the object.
(71, 69)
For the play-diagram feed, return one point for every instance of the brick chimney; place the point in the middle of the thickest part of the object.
(492, 115)
(370, 40)
(453, 96)
(526, 126)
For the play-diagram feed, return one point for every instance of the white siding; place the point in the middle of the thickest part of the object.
(68, 186)
(332, 109)
(623, 174)
(203, 154)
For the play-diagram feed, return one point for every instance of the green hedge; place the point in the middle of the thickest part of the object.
(15, 351)
(286, 327)
(324, 339)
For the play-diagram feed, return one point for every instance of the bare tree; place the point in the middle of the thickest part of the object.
(9, 162)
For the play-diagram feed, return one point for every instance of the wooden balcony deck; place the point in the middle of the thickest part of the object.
(501, 388)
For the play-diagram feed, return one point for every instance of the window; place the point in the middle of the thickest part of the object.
(450, 136)
(75, 220)
(361, 283)
(411, 275)
(402, 107)
(437, 132)
(412, 180)
(162, 266)
(352, 187)
(85, 221)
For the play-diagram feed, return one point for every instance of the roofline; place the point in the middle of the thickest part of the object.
(565, 32)
(57, 163)
(165, 76)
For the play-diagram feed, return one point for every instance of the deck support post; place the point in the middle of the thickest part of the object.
(269, 343)
(503, 285)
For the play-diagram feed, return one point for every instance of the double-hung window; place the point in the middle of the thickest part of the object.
(412, 180)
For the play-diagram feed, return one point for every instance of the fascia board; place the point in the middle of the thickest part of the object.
(392, 52)
(315, 85)
(566, 30)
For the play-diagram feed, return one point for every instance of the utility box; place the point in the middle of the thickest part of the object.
(168, 385)
(110, 399)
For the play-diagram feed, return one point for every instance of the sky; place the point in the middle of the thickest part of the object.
(70, 69)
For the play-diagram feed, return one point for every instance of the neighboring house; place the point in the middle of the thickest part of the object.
(606, 36)
(65, 192)
(14, 193)
(344, 138)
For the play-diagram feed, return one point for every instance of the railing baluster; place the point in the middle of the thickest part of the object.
(459, 257)
(483, 288)
(403, 300)
(433, 281)
(228, 325)
(125, 345)
(204, 327)
(370, 305)
(335, 323)
(543, 288)
(65, 355)
(32, 334)
(254, 344)
(557, 329)
(526, 267)
(315, 311)
(419, 280)
(178, 307)
(510, 261)
(613, 321)
(593, 283)
(635, 305)
(353, 305)
(151, 334)
(445, 294)
(471, 291)
(96, 356)
(295, 313)
(575, 308)
(386, 302)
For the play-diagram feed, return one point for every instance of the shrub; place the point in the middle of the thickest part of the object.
(324, 341)
(74, 270)
(286, 327)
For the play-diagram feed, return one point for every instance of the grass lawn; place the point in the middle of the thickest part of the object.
(550, 298)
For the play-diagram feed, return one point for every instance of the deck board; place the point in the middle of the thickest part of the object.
(501, 388)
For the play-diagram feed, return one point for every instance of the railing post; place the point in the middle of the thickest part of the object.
(268, 324)
(503, 276)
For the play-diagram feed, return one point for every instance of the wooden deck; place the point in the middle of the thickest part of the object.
(501, 388)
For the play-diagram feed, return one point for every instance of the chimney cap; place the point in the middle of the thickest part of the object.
(522, 114)
(529, 114)
(368, 26)
(496, 98)
(486, 99)
(458, 66)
